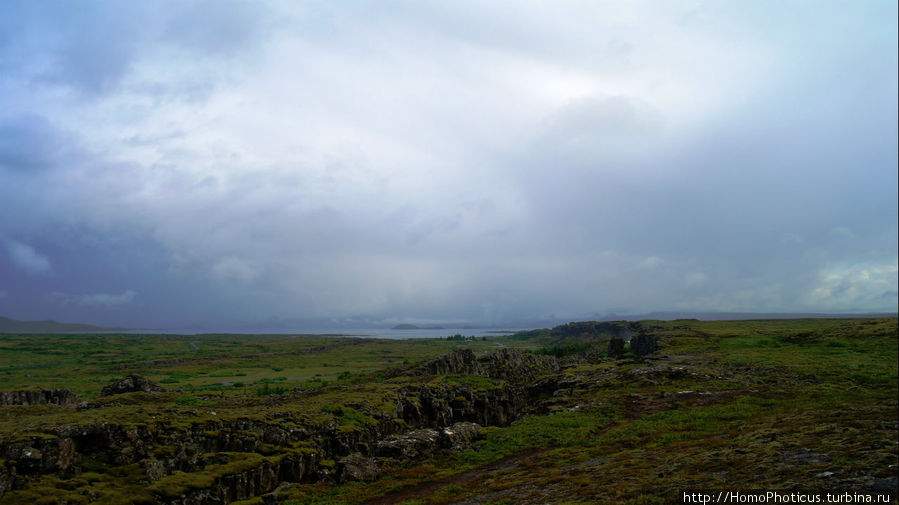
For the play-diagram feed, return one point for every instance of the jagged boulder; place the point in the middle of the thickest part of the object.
(130, 384)
(420, 443)
(357, 467)
(459, 437)
(409, 445)
(154, 469)
(643, 344)
(61, 397)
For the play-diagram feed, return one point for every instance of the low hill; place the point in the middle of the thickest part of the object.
(406, 326)
(8, 325)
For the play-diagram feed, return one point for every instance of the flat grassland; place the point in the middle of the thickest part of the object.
(84, 364)
(803, 404)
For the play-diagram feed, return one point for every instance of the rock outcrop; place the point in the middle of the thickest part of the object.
(415, 420)
(587, 330)
(515, 366)
(61, 397)
(459, 437)
(643, 344)
(616, 347)
(410, 445)
(506, 364)
(130, 384)
(357, 467)
(457, 362)
(420, 443)
(442, 417)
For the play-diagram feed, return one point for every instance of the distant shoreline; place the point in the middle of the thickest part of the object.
(405, 330)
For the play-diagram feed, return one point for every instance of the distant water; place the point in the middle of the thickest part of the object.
(355, 332)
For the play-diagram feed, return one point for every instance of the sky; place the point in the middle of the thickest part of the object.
(175, 163)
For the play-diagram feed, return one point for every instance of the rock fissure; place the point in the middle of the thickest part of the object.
(421, 419)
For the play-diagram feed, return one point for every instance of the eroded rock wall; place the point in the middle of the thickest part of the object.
(61, 397)
(446, 415)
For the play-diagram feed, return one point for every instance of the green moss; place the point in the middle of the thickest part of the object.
(192, 400)
(347, 414)
(179, 483)
(252, 501)
(476, 382)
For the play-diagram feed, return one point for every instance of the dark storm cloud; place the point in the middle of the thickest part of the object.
(30, 142)
(225, 162)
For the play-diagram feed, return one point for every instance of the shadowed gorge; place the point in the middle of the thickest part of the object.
(543, 416)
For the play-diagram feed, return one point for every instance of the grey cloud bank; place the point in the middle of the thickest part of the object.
(228, 162)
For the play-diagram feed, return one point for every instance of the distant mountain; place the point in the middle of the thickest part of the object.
(8, 325)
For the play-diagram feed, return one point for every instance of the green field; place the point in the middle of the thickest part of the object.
(83, 364)
(806, 405)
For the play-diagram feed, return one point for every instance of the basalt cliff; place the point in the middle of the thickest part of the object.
(196, 456)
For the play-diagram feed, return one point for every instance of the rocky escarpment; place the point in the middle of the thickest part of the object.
(616, 337)
(592, 329)
(412, 420)
(643, 344)
(506, 364)
(61, 397)
(615, 347)
(287, 448)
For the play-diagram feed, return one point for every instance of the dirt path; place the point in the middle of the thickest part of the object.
(429, 487)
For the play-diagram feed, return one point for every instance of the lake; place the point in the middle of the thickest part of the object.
(354, 332)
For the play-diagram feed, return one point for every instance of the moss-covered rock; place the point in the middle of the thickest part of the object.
(131, 383)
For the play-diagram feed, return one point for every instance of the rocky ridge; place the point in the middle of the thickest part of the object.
(506, 364)
(288, 447)
(592, 329)
(61, 397)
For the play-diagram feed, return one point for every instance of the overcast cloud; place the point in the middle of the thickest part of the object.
(221, 163)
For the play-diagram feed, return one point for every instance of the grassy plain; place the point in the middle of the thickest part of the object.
(84, 363)
(805, 404)
(774, 404)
